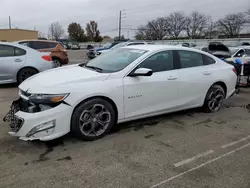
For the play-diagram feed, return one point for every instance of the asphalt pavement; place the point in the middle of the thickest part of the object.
(185, 149)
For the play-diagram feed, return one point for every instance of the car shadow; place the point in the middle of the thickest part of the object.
(137, 125)
(5, 86)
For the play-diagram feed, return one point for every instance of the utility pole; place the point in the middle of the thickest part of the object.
(210, 35)
(9, 23)
(121, 15)
(120, 24)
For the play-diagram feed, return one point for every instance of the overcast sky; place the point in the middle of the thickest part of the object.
(28, 14)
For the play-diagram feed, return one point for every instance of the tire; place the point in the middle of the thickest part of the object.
(93, 119)
(214, 99)
(57, 62)
(25, 73)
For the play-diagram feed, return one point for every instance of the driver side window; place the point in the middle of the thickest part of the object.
(161, 61)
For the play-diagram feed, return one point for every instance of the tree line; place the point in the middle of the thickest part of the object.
(75, 32)
(196, 25)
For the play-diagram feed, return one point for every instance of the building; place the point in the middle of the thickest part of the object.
(10, 35)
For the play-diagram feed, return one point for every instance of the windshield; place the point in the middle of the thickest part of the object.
(234, 50)
(115, 60)
(122, 44)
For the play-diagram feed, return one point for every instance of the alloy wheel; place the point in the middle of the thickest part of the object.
(215, 99)
(94, 120)
(56, 63)
(27, 73)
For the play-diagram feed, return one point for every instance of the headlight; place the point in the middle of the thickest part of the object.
(47, 98)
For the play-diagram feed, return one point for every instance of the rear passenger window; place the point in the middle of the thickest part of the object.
(35, 45)
(6, 51)
(190, 59)
(208, 60)
(52, 45)
(19, 52)
(42, 45)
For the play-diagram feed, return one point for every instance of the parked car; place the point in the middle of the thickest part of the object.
(187, 44)
(18, 62)
(245, 44)
(75, 47)
(217, 49)
(241, 52)
(123, 44)
(58, 52)
(125, 84)
(92, 52)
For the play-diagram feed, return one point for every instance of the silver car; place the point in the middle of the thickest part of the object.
(18, 62)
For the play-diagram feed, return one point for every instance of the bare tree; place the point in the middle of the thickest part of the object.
(248, 12)
(92, 31)
(175, 23)
(41, 35)
(197, 24)
(154, 30)
(55, 31)
(231, 24)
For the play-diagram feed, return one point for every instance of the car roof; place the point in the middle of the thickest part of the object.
(161, 47)
(243, 47)
(18, 45)
(38, 40)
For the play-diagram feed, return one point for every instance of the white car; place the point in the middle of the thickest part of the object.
(18, 62)
(241, 52)
(126, 84)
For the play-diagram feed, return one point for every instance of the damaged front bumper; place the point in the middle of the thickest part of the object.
(33, 122)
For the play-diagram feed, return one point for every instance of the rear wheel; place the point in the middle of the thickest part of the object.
(214, 99)
(93, 119)
(25, 73)
(57, 62)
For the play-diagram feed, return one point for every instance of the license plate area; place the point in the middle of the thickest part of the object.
(15, 122)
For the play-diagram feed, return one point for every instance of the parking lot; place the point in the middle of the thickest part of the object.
(184, 149)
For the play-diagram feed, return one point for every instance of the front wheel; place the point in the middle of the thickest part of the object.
(214, 99)
(92, 119)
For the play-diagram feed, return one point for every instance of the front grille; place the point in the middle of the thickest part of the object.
(15, 122)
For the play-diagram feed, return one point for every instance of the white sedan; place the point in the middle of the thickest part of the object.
(18, 62)
(125, 84)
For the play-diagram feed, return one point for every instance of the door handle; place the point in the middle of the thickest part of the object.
(206, 73)
(172, 78)
(18, 60)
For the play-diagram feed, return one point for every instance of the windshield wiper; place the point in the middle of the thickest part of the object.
(97, 69)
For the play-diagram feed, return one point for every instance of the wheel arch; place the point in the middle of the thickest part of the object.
(220, 83)
(99, 97)
(55, 57)
(30, 67)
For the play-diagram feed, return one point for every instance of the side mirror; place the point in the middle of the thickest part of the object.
(142, 72)
(244, 55)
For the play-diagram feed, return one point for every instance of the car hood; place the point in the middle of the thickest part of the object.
(104, 51)
(61, 79)
(101, 48)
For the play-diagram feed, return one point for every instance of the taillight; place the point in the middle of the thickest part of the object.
(47, 57)
(235, 71)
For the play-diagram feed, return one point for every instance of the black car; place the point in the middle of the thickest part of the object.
(92, 52)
